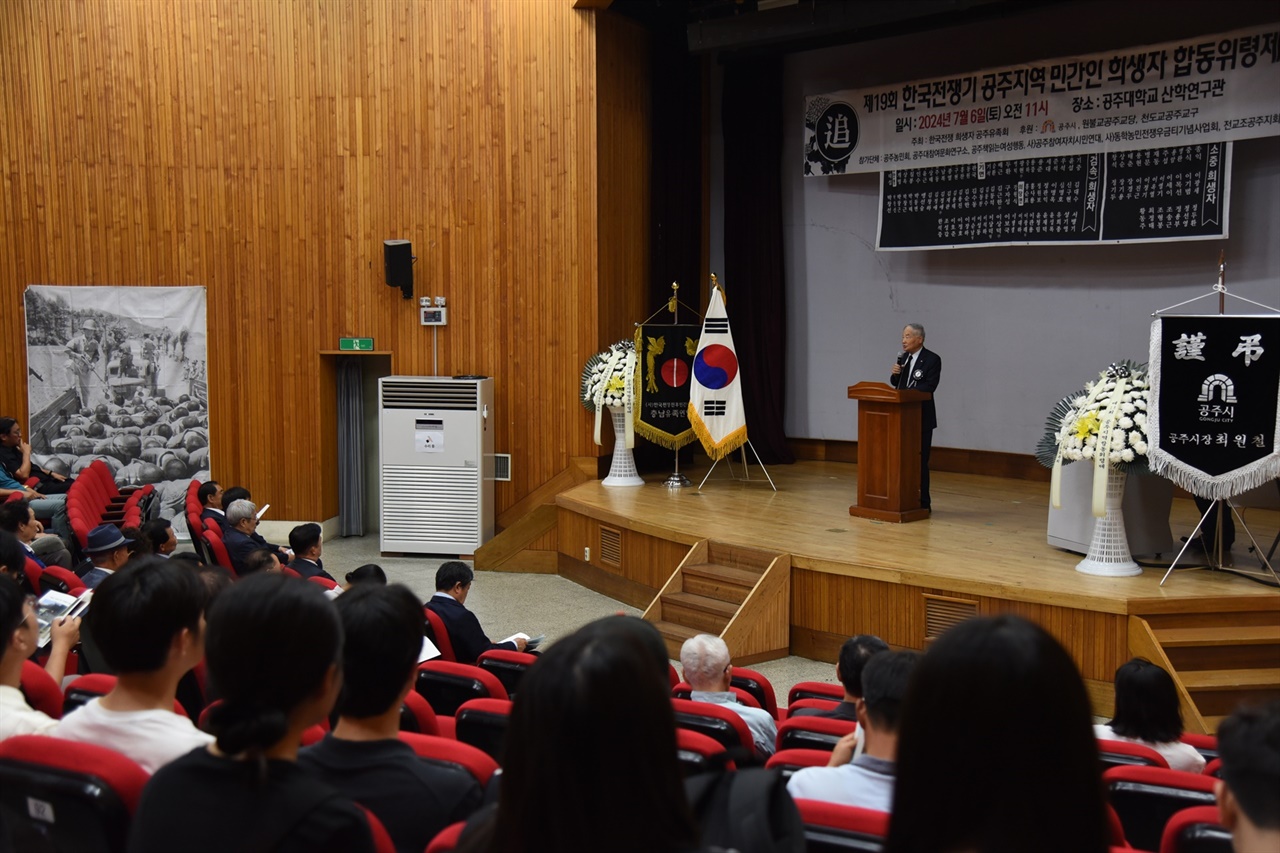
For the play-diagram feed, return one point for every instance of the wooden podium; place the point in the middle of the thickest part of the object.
(888, 452)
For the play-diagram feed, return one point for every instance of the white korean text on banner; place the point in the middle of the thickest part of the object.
(1199, 90)
(715, 396)
(1150, 195)
(119, 374)
(1214, 428)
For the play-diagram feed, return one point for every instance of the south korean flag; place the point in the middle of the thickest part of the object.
(715, 398)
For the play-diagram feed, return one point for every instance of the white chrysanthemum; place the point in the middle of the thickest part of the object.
(1135, 438)
(1141, 404)
(1125, 422)
(1140, 419)
(1126, 455)
(1140, 447)
(1128, 408)
(1087, 453)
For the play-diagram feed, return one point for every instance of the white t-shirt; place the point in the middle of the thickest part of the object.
(151, 738)
(19, 718)
(1181, 756)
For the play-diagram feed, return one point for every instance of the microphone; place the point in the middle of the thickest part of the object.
(903, 356)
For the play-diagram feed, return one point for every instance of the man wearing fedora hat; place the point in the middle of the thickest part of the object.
(109, 550)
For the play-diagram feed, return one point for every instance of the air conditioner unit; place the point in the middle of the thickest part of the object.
(436, 457)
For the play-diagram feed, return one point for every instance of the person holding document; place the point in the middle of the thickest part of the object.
(919, 369)
(453, 583)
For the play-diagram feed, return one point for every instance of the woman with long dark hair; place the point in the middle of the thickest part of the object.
(1147, 712)
(590, 762)
(274, 648)
(995, 747)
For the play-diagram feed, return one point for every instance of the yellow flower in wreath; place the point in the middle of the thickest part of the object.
(1087, 425)
(615, 385)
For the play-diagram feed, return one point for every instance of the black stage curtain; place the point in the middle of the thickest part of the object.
(753, 275)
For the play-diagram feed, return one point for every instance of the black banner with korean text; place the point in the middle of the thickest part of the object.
(664, 365)
(1153, 195)
(1214, 420)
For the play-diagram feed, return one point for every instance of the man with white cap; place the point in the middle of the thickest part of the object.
(109, 550)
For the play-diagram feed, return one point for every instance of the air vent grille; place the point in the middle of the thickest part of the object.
(611, 547)
(429, 394)
(942, 614)
(430, 503)
(502, 467)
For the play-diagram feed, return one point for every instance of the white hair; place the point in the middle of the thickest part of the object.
(240, 510)
(704, 658)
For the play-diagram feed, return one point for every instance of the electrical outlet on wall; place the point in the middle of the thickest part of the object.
(586, 554)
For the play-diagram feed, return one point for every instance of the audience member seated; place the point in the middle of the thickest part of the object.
(705, 662)
(148, 625)
(362, 757)
(453, 584)
(108, 549)
(260, 560)
(1147, 712)
(854, 655)
(274, 649)
(1249, 789)
(210, 496)
(160, 536)
(368, 573)
(307, 541)
(15, 459)
(20, 636)
(45, 506)
(593, 698)
(996, 748)
(865, 781)
(18, 518)
(13, 561)
(240, 535)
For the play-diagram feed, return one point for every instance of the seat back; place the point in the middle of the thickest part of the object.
(832, 828)
(451, 753)
(684, 690)
(698, 753)
(1122, 753)
(791, 760)
(94, 684)
(56, 577)
(447, 838)
(32, 570)
(758, 686)
(816, 704)
(67, 795)
(1198, 829)
(439, 634)
(813, 732)
(507, 666)
(382, 842)
(417, 717)
(446, 685)
(219, 551)
(482, 723)
(815, 690)
(1213, 768)
(41, 691)
(1146, 797)
(326, 583)
(714, 721)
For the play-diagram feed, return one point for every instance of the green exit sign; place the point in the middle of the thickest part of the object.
(354, 344)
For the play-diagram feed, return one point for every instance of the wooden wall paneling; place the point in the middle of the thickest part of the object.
(264, 150)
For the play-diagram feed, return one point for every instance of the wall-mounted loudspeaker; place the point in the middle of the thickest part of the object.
(398, 257)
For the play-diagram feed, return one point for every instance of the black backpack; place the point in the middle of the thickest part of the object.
(746, 810)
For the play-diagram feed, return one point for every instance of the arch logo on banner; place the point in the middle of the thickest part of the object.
(715, 398)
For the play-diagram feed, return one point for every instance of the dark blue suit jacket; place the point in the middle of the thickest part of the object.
(465, 633)
(308, 569)
(929, 366)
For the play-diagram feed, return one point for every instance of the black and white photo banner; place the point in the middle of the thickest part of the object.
(1199, 90)
(1153, 195)
(1214, 425)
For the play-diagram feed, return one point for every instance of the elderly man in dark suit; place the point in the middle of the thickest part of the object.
(919, 369)
(453, 582)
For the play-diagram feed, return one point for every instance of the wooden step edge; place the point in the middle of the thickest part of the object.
(701, 603)
(1230, 679)
(675, 630)
(1227, 635)
(716, 571)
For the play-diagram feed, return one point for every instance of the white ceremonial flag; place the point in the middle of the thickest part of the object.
(715, 398)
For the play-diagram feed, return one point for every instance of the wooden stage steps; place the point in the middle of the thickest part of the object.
(1220, 657)
(739, 594)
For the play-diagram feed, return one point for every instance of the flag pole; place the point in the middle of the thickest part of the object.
(676, 480)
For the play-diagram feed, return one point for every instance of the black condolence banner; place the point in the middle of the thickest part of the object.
(1151, 195)
(664, 364)
(1215, 390)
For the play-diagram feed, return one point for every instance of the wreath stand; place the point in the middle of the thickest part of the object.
(622, 470)
(1108, 553)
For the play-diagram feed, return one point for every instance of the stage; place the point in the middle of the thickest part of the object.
(983, 551)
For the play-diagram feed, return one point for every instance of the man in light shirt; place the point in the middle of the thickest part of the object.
(147, 621)
(705, 661)
(866, 781)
